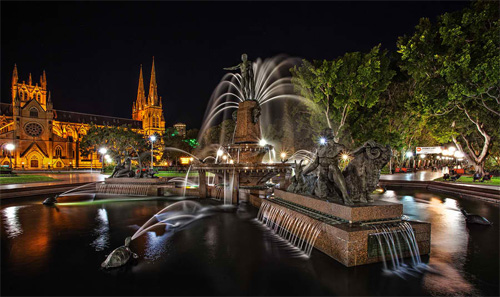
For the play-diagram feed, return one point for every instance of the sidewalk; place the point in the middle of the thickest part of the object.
(427, 176)
(424, 180)
(63, 179)
(423, 175)
(66, 181)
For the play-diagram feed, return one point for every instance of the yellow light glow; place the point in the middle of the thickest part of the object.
(224, 157)
(283, 155)
(185, 160)
(231, 162)
(345, 156)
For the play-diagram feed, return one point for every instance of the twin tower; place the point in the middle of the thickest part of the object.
(148, 109)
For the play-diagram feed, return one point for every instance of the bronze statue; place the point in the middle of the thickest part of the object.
(256, 114)
(247, 77)
(330, 177)
(355, 184)
(123, 169)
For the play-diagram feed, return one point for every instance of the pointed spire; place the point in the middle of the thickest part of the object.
(14, 75)
(30, 81)
(153, 88)
(44, 84)
(141, 94)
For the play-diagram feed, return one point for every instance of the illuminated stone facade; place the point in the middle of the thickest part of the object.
(47, 138)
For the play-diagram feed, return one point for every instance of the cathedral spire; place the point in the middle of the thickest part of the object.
(44, 78)
(141, 94)
(14, 75)
(30, 81)
(153, 88)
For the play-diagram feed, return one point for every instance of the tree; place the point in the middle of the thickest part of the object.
(337, 87)
(120, 141)
(456, 66)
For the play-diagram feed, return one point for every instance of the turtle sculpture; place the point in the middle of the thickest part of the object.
(474, 219)
(119, 256)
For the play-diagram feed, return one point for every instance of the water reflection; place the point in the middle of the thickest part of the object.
(101, 230)
(11, 221)
(225, 254)
(155, 245)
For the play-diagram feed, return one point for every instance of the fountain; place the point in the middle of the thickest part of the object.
(244, 178)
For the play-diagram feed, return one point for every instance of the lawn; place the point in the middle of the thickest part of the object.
(26, 178)
(495, 181)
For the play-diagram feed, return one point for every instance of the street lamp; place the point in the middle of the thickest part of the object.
(103, 152)
(10, 147)
(283, 157)
(152, 138)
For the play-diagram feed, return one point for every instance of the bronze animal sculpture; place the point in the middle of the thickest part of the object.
(120, 256)
(363, 172)
(474, 219)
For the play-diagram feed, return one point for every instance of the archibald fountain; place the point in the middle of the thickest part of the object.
(323, 207)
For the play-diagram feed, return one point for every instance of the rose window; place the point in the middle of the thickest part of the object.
(33, 129)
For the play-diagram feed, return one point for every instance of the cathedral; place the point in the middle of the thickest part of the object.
(46, 138)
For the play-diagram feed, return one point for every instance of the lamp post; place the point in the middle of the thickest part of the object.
(10, 147)
(409, 155)
(103, 151)
(283, 157)
(152, 138)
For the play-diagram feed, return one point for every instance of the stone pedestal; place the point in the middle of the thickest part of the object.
(246, 130)
(350, 241)
(378, 210)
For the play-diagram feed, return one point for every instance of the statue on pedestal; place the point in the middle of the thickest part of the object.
(330, 178)
(122, 169)
(247, 77)
(353, 185)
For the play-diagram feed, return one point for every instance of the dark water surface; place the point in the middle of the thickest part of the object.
(58, 251)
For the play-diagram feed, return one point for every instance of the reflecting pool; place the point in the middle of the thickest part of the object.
(58, 251)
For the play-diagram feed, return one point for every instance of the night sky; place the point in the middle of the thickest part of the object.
(91, 51)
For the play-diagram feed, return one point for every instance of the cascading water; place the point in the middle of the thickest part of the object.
(123, 189)
(186, 181)
(397, 241)
(293, 229)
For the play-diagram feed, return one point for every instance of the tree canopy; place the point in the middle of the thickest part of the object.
(455, 63)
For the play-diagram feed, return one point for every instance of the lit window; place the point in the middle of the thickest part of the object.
(58, 152)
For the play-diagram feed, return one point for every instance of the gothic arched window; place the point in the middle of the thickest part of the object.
(34, 112)
(58, 153)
